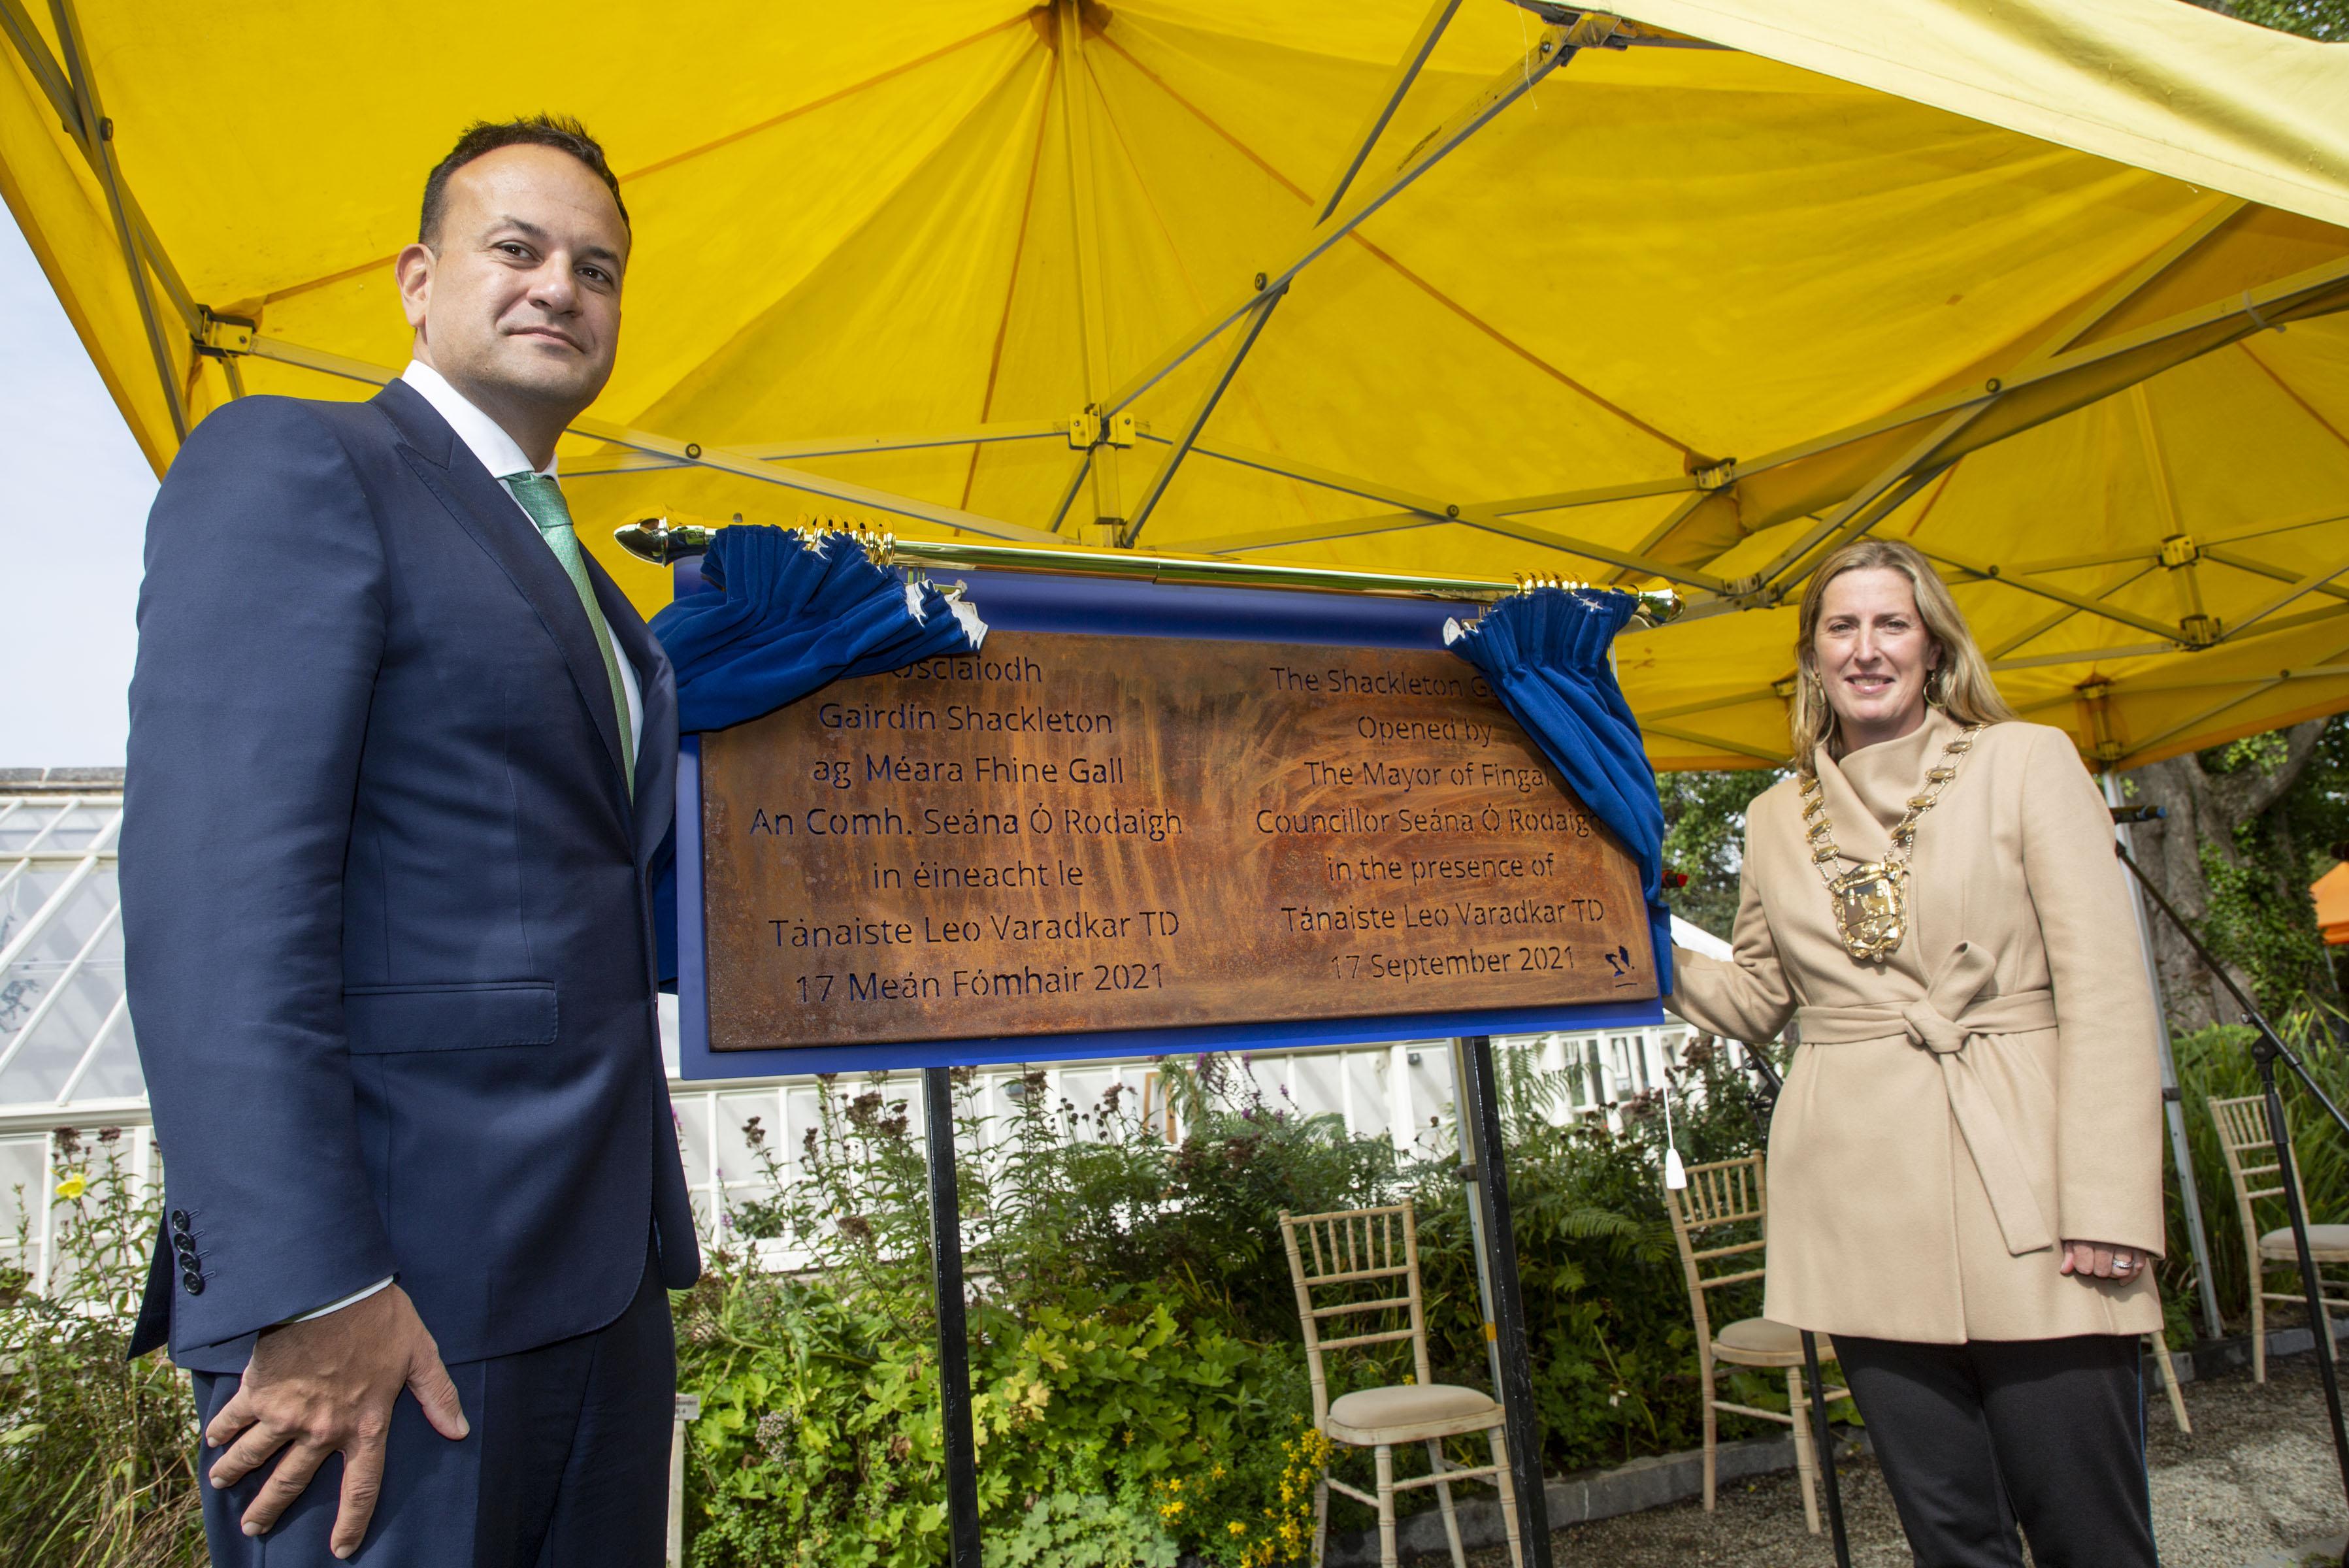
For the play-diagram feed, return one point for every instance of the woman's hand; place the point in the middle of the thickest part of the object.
(2101, 1260)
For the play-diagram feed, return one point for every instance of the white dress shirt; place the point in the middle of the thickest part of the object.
(501, 455)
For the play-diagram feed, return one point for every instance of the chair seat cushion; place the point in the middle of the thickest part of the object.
(2328, 1243)
(1409, 1404)
(1763, 1337)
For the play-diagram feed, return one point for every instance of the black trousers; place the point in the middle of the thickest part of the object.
(567, 1465)
(1974, 1439)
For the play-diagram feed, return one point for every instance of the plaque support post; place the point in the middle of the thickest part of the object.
(954, 1334)
(1469, 1167)
(1481, 1113)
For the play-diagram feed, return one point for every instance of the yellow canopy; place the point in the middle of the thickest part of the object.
(2042, 285)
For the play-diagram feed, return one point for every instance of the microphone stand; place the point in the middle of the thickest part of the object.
(2268, 1049)
(1822, 1436)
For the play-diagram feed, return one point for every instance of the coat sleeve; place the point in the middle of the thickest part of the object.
(261, 626)
(2108, 1067)
(1745, 996)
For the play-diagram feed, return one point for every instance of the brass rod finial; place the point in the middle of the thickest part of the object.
(661, 542)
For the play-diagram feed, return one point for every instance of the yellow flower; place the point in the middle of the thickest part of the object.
(1236, 1528)
(1215, 1474)
(72, 1187)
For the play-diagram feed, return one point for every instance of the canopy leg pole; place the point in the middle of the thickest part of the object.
(1469, 1168)
(2173, 1108)
(1480, 1110)
(954, 1333)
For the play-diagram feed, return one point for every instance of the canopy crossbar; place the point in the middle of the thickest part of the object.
(1551, 49)
(680, 454)
(1349, 163)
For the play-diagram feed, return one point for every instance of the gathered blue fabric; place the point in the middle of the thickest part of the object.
(1544, 653)
(782, 617)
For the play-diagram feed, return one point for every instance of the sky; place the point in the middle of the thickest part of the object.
(73, 507)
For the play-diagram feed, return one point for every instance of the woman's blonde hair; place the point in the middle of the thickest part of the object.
(1961, 685)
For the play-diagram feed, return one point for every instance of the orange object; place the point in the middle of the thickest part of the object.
(2332, 891)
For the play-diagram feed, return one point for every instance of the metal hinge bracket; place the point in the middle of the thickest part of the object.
(1088, 429)
(223, 335)
(2179, 550)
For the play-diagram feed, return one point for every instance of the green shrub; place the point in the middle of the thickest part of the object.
(1116, 1417)
(2217, 1062)
(97, 1467)
(1137, 1375)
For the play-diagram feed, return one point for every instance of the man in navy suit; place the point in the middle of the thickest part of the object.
(399, 755)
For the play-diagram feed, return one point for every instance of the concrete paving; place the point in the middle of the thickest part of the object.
(2256, 1484)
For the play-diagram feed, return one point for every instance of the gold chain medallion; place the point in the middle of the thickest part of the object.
(1871, 901)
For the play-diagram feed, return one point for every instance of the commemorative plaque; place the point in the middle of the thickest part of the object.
(1076, 833)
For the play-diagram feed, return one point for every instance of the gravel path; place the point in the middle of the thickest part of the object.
(2256, 1478)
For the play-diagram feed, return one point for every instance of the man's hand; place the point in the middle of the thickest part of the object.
(2101, 1260)
(328, 1386)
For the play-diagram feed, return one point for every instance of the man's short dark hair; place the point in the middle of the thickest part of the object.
(561, 132)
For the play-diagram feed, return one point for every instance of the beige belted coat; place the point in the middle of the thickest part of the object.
(1993, 1087)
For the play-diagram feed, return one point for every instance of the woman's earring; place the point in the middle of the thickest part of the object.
(1937, 685)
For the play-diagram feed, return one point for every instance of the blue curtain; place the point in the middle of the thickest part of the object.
(783, 616)
(1544, 653)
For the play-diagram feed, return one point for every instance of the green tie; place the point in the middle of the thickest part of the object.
(543, 499)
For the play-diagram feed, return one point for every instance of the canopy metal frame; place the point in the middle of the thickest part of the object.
(2065, 371)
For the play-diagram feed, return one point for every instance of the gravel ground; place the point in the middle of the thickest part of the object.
(2256, 1478)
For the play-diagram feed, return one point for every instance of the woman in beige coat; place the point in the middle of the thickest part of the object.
(1965, 1166)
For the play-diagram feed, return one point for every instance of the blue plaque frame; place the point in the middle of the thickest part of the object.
(1040, 602)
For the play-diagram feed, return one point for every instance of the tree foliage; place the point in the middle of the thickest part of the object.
(2325, 20)
(1704, 840)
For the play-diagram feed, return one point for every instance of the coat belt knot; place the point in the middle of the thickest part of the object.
(1930, 1029)
(1951, 1012)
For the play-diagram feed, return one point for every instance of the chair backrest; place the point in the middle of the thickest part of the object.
(2246, 1139)
(1352, 1265)
(1725, 1195)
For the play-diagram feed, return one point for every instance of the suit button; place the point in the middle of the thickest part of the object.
(193, 1281)
(185, 1245)
(179, 1219)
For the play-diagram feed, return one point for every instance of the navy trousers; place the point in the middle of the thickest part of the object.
(1975, 1438)
(567, 1465)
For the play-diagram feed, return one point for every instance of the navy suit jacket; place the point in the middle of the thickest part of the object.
(385, 902)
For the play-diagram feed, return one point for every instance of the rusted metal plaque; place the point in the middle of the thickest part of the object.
(1072, 834)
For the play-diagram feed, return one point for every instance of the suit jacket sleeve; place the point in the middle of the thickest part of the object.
(2108, 1069)
(261, 626)
(1745, 996)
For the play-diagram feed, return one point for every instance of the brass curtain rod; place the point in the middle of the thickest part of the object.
(661, 542)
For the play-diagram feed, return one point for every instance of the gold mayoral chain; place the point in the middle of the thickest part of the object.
(1871, 900)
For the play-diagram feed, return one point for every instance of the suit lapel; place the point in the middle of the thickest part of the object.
(655, 784)
(487, 509)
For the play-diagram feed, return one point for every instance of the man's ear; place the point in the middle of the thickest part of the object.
(413, 269)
